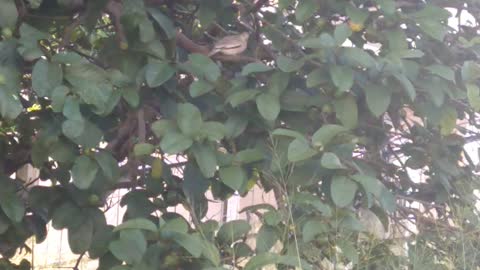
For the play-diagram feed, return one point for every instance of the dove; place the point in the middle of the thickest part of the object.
(230, 45)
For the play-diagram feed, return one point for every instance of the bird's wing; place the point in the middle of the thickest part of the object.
(229, 42)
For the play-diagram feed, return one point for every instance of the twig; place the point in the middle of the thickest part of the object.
(78, 261)
(142, 133)
(67, 33)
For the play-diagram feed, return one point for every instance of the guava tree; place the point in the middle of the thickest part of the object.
(355, 114)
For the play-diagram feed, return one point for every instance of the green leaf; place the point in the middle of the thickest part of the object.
(158, 72)
(407, 86)
(378, 99)
(287, 64)
(210, 251)
(103, 235)
(324, 135)
(137, 223)
(200, 87)
(80, 237)
(146, 30)
(308, 199)
(84, 171)
(131, 96)
(59, 94)
(331, 161)
(278, 83)
(204, 66)
(255, 68)
(91, 83)
(299, 150)
(342, 77)
(359, 57)
(388, 6)
(8, 14)
(189, 119)
(130, 247)
(206, 159)
(108, 164)
(369, 183)
(29, 38)
(313, 228)
(266, 238)
(174, 142)
(10, 106)
(346, 111)
(4, 224)
(262, 260)
(82, 132)
(235, 125)
(317, 77)
(165, 23)
(323, 41)
(90, 137)
(448, 120)
(232, 231)
(305, 10)
(349, 251)
(473, 94)
(243, 96)
(342, 190)
(161, 127)
(143, 149)
(356, 15)
(214, 131)
(434, 29)
(288, 133)
(63, 216)
(269, 106)
(442, 71)
(206, 15)
(12, 206)
(341, 33)
(249, 156)
(191, 243)
(234, 177)
(470, 71)
(71, 109)
(45, 77)
(175, 225)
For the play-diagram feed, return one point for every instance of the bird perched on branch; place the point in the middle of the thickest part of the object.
(231, 45)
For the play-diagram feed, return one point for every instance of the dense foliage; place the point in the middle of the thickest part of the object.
(354, 113)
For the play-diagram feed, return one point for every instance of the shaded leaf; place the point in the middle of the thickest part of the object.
(299, 150)
(84, 171)
(269, 106)
(342, 190)
(331, 161)
(254, 68)
(233, 230)
(158, 72)
(137, 223)
(346, 111)
(45, 77)
(206, 159)
(200, 87)
(233, 176)
(378, 99)
(326, 133)
(189, 119)
(130, 247)
(174, 142)
(80, 238)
